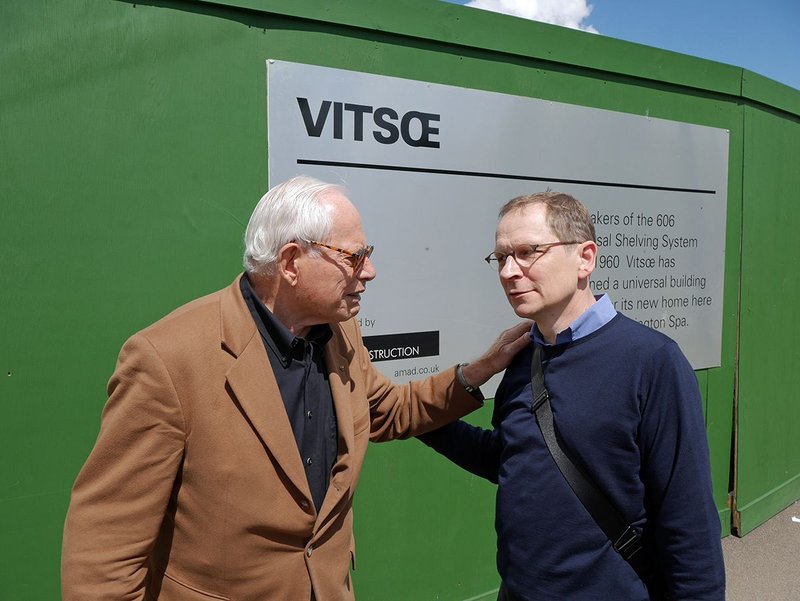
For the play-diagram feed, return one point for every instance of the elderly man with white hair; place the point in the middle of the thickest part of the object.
(236, 426)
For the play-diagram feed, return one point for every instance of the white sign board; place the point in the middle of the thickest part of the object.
(429, 166)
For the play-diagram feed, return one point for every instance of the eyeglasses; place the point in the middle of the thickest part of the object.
(356, 258)
(525, 254)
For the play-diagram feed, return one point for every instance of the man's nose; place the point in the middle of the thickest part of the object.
(510, 269)
(367, 270)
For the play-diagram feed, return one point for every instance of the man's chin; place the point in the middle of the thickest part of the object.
(353, 307)
(523, 310)
(346, 313)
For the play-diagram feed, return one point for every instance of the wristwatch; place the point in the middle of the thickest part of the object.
(463, 381)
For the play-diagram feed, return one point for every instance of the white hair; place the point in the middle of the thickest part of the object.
(290, 212)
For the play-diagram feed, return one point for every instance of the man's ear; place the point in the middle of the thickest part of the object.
(287, 264)
(587, 255)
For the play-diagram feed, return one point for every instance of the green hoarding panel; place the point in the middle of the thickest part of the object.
(768, 447)
(133, 147)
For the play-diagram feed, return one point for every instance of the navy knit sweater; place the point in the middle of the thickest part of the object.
(626, 405)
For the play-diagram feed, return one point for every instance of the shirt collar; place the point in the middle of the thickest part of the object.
(591, 320)
(283, 343)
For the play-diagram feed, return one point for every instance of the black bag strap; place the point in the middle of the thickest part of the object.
(627, 541)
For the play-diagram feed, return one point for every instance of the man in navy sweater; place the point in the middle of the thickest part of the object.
(626, 406)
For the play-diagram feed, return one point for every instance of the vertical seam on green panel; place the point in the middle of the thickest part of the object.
(733, 486)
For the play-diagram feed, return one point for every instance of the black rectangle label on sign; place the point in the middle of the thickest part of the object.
(391, 347)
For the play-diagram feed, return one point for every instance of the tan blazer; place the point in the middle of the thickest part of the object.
(195, 488)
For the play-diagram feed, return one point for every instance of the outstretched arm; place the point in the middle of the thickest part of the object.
(401, 411)
(469, 447)
(499, 354)
(472, 448)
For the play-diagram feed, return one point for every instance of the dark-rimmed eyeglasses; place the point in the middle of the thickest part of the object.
(356, 258)
(525, 254)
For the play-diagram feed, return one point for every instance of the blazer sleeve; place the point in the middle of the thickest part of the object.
(120, 497)
(405, 410)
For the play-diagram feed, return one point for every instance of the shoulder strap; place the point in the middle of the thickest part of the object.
(625, 538)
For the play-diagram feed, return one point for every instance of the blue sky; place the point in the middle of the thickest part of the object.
(759, 35)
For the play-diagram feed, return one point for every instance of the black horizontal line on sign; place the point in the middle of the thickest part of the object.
(530, 178)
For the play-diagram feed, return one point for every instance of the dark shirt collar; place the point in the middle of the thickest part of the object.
(283, 343)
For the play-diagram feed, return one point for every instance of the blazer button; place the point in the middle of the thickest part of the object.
(310, 550)
(304, 504)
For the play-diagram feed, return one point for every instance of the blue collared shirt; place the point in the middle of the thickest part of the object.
(591, 320)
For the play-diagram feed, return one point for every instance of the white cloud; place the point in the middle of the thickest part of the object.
(567, 13)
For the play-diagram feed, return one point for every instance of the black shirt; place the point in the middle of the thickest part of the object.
(299, 368)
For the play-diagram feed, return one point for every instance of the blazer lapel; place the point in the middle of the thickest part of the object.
(338, 358)
(255, 389)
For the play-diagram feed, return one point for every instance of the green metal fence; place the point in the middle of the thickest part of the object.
(133, 146)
